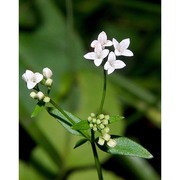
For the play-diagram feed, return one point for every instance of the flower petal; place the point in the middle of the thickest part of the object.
(31, 84)
(117, 52)
(104, 53)
(108, 43)
(110, 70)
(127, 52)
(98, 62)
(115, 43)
(91, 56)
(107, 65)
(118, 64)
(111, 56)
(93, 44)
(102, 37)
(124, 44)
(38, 77)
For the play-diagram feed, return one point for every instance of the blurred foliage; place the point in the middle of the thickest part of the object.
(56, 34)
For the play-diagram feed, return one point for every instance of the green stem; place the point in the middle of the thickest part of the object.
(61, 110)
(104, 93)
(67, 116)
(96, 158)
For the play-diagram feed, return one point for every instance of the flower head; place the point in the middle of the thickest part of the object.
(32, 78)
(102, 39)
(121, 48)
(98, 55)
(47, 73)
(113, 64)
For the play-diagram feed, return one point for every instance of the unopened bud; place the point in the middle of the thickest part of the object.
(101, 141)
(106, 137)
(111, 143)
(92, 115)
(105, 130)
(33, 95)
(107, 117)
(101, 126)
(47, 73)
(105, 122)
(40, 95)
(46, 99)
(48, 82)
(101, 116)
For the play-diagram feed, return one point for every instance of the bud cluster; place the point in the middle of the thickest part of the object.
(40, 96)
(99, 123)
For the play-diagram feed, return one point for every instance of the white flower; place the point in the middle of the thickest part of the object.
(98, 55)
(47, 73)
(32, 78)
(113, 64)
(102, 39)
(121, 48)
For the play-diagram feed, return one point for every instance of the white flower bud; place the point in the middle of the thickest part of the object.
(40, 95)
(106, 137)
(101, 126)
(98, 121)
(94, 128)
(47, 73)
(101, 141)
(48, 82)
(92, 115)
(89, 118)
(105, 122)
(33, 95)
(46, 99)
(101, 116)
(105, 130)
(111, 143)
(107, 117)
(91, 125)
(94, 120)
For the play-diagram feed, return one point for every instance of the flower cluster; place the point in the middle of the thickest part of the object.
(33, 79)
(100, 52)
(99, 123)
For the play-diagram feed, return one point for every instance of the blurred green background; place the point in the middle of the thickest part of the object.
(56, 34)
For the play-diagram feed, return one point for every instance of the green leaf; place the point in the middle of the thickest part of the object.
(38, 108)
(127, 147)
(115, 118)
(80, 142)
(82, 125)
(63, 120)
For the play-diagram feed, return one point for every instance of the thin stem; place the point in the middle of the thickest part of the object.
(96, 158)
(67, 116)
(61, 110)
(104, 93)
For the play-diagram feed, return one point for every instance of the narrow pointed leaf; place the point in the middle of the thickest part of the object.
(82, 125)
(38, 108)
(127, 147)
(115, 118)
(63, 120)
(80, 142)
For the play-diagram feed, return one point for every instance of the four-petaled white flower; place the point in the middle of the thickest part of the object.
(113, 64)
(32, 78)
(121, 48)
(102, 39)
(98, 55)
(47, 73)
